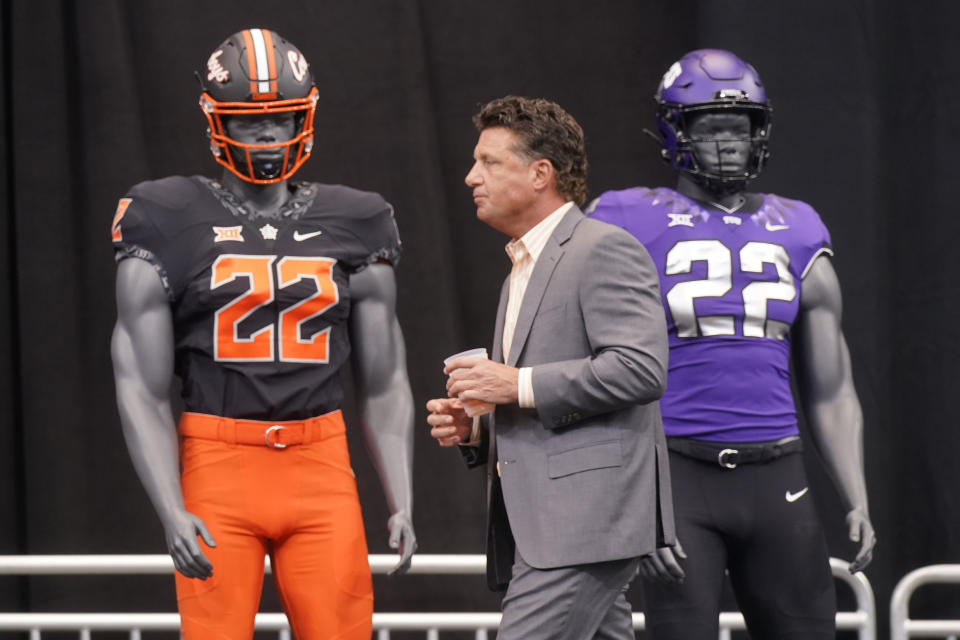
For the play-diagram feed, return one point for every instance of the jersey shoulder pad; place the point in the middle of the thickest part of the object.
(802, 219)
(155, 208)
(804, 235)
(636, 209)
(362, 220)
(171, 193)
(338, 199)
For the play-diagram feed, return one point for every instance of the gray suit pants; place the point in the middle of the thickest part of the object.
(581, 602)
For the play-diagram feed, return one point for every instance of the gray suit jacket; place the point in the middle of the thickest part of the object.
(583, 477)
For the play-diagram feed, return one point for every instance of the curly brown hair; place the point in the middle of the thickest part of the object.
(545, 131)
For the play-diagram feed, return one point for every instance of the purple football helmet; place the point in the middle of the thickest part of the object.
(711, 80)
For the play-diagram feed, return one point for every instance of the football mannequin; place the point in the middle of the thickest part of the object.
(742, 276)
(254, 290)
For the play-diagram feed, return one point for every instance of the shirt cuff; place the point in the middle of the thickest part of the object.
(474, 434)
(525, 388)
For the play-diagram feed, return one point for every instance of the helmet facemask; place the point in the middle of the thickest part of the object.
(240, 158)
(682, 154)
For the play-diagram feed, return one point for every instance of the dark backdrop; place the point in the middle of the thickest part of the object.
(99, 96)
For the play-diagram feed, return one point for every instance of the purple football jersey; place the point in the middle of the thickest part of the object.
(731, 290)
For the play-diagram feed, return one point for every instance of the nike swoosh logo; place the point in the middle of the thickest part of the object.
(776, 227)
(793, 497)
(300, 237)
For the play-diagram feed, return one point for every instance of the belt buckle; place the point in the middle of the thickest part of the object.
(271, 443)
(725, 453)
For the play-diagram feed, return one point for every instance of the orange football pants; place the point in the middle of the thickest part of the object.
(297, 503)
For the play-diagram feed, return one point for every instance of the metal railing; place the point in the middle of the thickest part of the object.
(863, 619)
(901, 626)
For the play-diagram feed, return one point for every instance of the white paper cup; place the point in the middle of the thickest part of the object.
(473, 408)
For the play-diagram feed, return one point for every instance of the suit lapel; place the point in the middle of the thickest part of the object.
(546, 263)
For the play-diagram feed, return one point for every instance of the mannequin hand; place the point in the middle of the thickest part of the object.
(181, 533)
(662, 566)
(403, 538)
(861, 530)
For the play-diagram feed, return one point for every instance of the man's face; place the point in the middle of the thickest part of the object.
(721, 141)
(501, 179)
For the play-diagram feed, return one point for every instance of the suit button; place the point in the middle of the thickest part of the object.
(577, 416)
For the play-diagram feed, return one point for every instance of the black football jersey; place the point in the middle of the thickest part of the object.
(260, 305)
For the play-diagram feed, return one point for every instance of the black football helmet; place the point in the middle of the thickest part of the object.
(256, 71)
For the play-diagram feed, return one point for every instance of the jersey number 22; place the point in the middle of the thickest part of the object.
(719, 280)
(262, 283)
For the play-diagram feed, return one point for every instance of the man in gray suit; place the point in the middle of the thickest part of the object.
(579, 487)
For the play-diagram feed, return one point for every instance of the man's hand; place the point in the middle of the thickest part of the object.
(473, 378)
(662, 565)
(449, 423)
(861, 530)
(181, 533)
(402, 538)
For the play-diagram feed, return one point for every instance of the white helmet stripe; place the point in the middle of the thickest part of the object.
(262, 74)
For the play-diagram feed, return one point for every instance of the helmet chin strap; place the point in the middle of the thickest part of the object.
(720, 187)
(266, 169)
(259, 169)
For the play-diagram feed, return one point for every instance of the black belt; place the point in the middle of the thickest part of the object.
(731, 454)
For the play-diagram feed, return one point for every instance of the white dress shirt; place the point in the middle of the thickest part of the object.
(524, 252)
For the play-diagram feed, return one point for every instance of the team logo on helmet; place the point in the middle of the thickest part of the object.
(298, 64)
(215, 70)
(671, 75)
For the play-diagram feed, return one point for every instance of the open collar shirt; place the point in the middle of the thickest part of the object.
(524, 252)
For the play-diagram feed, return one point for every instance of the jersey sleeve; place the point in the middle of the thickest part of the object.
(632, 209)
(812, 236)
(153, 223)
(367, 228)
(383, 242)
(135, 235)
(606, 208)
(820, 242)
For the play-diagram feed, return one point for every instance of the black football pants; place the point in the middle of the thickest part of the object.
(758, 521)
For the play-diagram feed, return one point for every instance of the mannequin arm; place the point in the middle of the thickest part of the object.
(830, 401)
(385, 399)
(142, 351)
